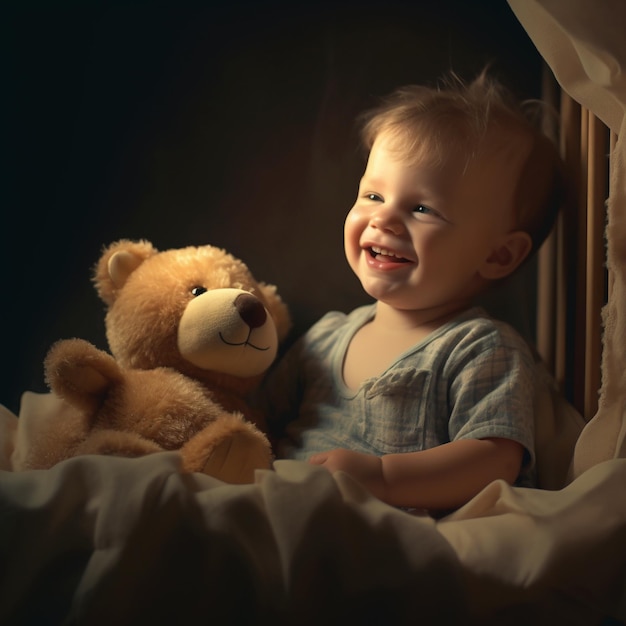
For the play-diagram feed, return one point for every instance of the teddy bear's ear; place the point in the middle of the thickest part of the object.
(117, 263)
(277, 308)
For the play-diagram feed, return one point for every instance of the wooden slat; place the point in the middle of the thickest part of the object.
(612, 144)
(546, 300)
(595, 296)
(579, 267)
(572, 281)
(567, 226)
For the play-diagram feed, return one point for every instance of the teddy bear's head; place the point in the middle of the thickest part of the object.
(198, 310)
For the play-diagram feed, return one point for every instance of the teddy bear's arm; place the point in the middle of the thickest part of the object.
(78, 372)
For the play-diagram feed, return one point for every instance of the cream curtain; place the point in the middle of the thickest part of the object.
(584, 43)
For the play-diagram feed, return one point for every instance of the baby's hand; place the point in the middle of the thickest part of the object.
(366, 468)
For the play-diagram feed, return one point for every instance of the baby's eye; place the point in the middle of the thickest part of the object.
(424, 210)
(374, 197)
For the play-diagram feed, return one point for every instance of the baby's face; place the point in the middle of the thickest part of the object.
(423, 235)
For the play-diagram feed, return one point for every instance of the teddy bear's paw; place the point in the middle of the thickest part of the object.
(229, 449)
(117, 443)
(235, 459)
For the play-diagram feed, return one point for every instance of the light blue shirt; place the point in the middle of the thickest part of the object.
(472, 378)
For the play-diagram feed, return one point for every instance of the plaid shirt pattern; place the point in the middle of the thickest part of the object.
(474, 377)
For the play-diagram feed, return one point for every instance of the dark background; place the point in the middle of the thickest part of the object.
(230, 123)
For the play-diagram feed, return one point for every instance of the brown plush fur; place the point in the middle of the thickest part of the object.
(146, 397)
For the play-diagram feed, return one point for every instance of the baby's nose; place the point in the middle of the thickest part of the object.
(388, 220)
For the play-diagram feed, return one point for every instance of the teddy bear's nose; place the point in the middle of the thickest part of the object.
(250, 309)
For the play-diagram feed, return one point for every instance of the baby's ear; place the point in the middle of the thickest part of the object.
(508, 256)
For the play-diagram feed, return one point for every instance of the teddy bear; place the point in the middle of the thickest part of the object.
(190, 333)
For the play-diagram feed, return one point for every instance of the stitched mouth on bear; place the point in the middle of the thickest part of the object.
(244, 343)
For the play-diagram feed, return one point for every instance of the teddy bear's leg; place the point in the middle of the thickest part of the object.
(47, 439)
(117, 443)
(229, 448)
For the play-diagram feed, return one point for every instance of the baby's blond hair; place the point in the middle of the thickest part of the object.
(458, 118)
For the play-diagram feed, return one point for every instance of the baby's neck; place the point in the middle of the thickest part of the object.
(421, 321)
(391, 332)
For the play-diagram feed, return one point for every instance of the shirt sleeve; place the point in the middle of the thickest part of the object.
(492, 392)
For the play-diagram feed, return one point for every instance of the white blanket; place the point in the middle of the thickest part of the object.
(104, 540)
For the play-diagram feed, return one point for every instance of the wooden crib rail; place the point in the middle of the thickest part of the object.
(572, 279)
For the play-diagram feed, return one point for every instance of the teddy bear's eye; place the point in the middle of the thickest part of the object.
(198, 291)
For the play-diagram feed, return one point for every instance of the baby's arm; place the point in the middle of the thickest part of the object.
(443, 477)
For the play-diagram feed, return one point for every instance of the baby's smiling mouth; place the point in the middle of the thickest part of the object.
(383, 254)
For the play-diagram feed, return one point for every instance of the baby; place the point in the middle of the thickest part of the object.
(421, 396)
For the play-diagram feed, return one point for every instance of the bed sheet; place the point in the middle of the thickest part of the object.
(102, 540)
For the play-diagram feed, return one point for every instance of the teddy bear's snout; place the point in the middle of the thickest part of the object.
(250, 309)
(228, 330)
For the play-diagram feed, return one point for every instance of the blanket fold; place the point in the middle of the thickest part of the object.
(103, 540)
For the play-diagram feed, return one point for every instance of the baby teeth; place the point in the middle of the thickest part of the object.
(383, 251)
